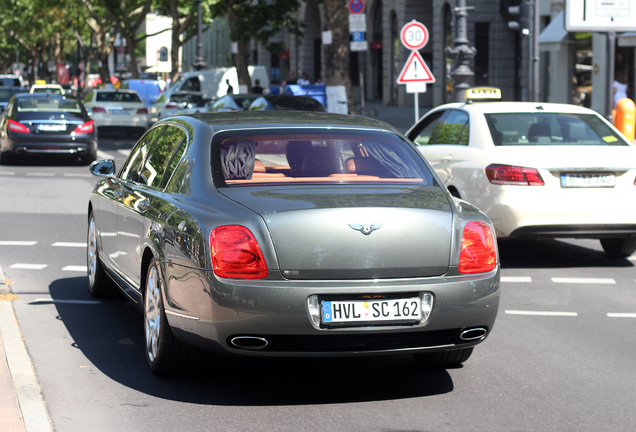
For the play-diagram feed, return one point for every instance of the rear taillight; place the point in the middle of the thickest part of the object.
(236, 254)
(513, 175)
(171, 105)
(99, 110)
(142, 111)
(478, 254)
(87, 127)
(15, 126)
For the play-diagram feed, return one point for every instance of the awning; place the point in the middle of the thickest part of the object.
(553, 34)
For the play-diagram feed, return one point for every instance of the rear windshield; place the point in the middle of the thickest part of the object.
(550, 129)
(49, 103)
(326, 158)
(117, 97)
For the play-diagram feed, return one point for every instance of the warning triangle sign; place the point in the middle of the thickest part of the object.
(415, 71)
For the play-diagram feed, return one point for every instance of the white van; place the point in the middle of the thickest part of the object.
(212, 82)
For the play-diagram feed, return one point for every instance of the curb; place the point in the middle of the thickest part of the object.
(22, 377)
(4, 287)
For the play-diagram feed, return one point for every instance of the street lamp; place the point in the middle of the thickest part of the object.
(199, 62)
(461, 53)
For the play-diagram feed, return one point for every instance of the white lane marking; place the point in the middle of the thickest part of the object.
(516, 279)
(7, 173)
(124, 152)
(69, 244)
(541, 313)
(77, 175)
(50, 300)
(18, 243)
(75, 268)
(102, 155)
(40, 174)
(621, 315)
(22, 266)
(570, 280)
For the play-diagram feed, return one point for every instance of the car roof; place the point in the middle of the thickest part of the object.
(504, 107)
(236, 120)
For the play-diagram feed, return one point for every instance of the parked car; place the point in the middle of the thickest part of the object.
(6, 93)
(234, 102)
(269, 234)
(117, 109)
(10, 80)
(537, 169)
(286, 102)
(169, 104)
(46, 124)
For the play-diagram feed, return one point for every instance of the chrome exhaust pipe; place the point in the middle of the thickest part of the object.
(249, 342)
(473, 334)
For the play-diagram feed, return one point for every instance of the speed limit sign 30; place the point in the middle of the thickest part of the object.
(414, 35)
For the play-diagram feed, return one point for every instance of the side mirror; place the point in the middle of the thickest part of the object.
(103, 168)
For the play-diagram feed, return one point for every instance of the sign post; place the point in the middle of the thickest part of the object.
(415, 73)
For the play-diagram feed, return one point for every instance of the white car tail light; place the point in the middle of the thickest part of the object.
(236, 254)
(513, 175)
(478, 254)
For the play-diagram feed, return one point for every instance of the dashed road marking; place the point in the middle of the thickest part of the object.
(69, 244)
(621, 315)
(571, 280)
(516, 279)
(541, 313)
(75, 268)
(18, 243)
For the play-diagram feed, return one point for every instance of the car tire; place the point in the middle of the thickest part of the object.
(619, 247)
(444, 359)
(99, 283)
(165, 354)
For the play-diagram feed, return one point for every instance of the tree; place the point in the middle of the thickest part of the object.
(127, 16)
(256, 19)
(336, 55)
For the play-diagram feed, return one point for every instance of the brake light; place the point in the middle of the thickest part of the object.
(99, 110)
(236, 254)
(87, 127)
(513, 175)
(171, 105)
(478, 254)
(142, 111)
(15, 126)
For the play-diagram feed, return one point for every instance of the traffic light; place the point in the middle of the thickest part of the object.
(519, 18)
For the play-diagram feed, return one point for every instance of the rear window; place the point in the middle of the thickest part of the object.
(51, 103)
(117, 97)
(332, 157)
(509, 129)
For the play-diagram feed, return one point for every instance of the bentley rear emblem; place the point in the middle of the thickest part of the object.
(366, 229)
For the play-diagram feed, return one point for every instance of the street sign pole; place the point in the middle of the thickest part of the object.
(415, 74)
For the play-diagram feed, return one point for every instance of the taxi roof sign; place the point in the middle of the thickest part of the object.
(483, 93)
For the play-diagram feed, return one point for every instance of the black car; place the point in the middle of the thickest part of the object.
(39, 123)
(286, 102)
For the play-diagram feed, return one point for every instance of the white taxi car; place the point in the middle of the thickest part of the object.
(117, 109)
(536, 169)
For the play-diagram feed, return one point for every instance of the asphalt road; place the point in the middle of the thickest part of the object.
(561, 356)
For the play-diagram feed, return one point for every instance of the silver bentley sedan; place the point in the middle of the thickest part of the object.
(297, 234)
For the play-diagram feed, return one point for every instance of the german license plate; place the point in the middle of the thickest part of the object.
(380, 310)
(572, 180)
(52, 127)
(119, 111)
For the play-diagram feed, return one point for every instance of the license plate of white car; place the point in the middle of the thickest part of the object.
(119, 111)
(574, 180)
(376, 310)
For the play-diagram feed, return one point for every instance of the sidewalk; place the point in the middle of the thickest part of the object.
(22, 408)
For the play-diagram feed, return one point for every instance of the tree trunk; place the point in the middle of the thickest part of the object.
(336, 54)
(240, 58)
